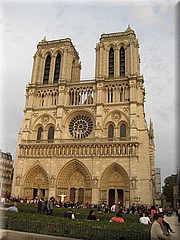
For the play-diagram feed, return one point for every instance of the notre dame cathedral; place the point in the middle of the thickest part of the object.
(86, 139)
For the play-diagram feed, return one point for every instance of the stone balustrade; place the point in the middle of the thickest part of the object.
(79, 150)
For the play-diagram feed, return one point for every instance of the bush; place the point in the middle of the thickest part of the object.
(28, 220)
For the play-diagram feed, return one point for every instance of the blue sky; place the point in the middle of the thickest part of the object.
(25, 23)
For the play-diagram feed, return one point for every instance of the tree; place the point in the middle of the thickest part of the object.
(168, 188)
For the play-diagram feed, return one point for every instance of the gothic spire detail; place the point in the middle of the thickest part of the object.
(151, 129)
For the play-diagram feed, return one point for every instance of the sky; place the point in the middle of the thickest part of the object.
(25, 23)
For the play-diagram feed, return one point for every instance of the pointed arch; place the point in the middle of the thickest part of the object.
(32, 174)
(43, 120)
(50, 134)
(111, 131)
(40, 133)
(114, 175)
(122, 62)
(74, 180)
(123, 115)
(72, 167)
(47, 69)
(36, 183)
(111, 62)
(123, 130)
(57, 68)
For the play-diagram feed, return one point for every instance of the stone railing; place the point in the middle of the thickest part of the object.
(79, 149)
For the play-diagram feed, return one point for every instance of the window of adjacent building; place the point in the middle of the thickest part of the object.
(50, 134)
(57, 68)
(111, 62)
(40, 133)
(47, 70)
(111, 131)
(123, 130)
(122, 62)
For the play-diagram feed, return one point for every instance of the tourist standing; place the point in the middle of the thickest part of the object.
(50, 206)
(144, 219)
(40, 205)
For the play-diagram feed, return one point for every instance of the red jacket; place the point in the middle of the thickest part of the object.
(117, 219)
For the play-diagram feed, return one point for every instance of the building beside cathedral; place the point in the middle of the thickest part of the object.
(6, 173)
(88, 139)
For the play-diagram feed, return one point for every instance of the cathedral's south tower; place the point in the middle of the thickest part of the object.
(86, 139)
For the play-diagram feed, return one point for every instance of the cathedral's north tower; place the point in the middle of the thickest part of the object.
(86, 139)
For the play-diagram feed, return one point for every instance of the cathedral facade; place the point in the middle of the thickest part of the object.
(86, 139)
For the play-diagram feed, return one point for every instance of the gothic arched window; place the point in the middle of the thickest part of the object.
(122, 62)
(51, 134)
(47, 69)
(111, 62)
(110, 132)
(123, 130)
(40, 133)
(57, 68)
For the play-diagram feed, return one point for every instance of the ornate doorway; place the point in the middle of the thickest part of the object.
(114, 183)
(36, 183)
(74, 180)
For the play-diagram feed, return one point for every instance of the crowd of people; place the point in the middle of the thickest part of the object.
(153, 216)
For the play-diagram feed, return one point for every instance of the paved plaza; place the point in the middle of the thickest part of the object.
(173, 221)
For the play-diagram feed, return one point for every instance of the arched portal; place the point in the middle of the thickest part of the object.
(114, 185)
(36, 183)
(74, 180)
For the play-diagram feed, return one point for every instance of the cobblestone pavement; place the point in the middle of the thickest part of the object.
(173, 221)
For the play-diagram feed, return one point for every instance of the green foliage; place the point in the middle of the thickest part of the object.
(168, 188)
(28, 220)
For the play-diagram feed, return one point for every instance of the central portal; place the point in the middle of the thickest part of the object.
(115, 196)
(77, 195)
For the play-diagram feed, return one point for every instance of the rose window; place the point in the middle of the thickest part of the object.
(80, 126)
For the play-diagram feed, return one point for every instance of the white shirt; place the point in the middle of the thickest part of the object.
(144, 220)
(113, 208)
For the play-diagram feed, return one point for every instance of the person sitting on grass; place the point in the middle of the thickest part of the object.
(12, 208)
(118, 218)
(91, 215)
(69, 214)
